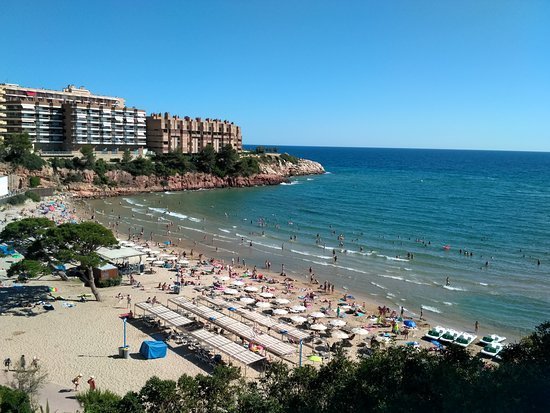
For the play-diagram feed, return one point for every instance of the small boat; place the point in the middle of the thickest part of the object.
(492, 350)
(465, 339)
(450, 335)
(493, 338)
(436, 332)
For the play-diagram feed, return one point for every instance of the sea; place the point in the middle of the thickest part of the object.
(462, 236)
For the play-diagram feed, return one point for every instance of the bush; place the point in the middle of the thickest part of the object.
(34, 181)
(74, 178)
(99, 401)
(17, 199)
(14, 401)
(110, 282)
(289, 158)
(33, 196)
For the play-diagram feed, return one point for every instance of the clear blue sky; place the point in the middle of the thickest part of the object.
(425, 74)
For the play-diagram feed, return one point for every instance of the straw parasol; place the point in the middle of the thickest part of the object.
(237, 283)
(359, 331)
(318, 314)
(298, 319)
(247, 300)
(280, 311)
(337, 323)
(282, 300)
(297, 309)
(230, 291)
(339, 334)
(266, 295)
(263, 304)
(251, 289)
(318, 327)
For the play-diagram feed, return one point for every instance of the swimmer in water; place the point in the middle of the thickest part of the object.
(447, 282)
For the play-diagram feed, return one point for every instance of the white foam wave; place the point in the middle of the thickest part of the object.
(177, 215)
(323, 257)
(416, 282)
(290, 183)
(484, 284)
(394, 277)
(448, 287)
(159, 210)
(378, 285)
(447, 303)
(225, 230)
(275, 247)
(194, 219)
(309, 179)
(431, 309)
(132, 202)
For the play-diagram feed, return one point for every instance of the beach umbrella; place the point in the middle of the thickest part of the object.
(224, 278)
(359, 331)
(280, 311)
(237, 283)
(337, 323)
(266, 295)
(146, 249)
(318, 327)
(138, 247)
(251, 289)
(282, 301)
(297, 309)
(315, 358)
(298, 319)
(167, 242)
(230, 291)
(247, 300)
(263, 304)
(318, 314)
(150, 259)
(339, 334)
(159, 262)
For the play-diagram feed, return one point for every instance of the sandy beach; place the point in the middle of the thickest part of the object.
(83, 337)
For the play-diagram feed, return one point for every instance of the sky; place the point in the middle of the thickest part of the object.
(468, 74)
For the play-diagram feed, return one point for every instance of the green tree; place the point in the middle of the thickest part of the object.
(75, 242)
(28, 268)
(15, 146)
(15, 401)
(88, 156)
(34, 181)
(226, 160)
(126, 157)
(206, 159)
(25, 231)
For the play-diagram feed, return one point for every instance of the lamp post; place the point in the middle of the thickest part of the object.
(300, 361)
(124, 322)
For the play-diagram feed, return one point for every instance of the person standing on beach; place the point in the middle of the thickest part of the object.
(129, 301)
(76, 382)
(91, 382)
(421, 309)
(7, 363)
(22, 362)
(476, 326)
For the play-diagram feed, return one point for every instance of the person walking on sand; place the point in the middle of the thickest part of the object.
(76, 381)
(22, 362)
(129, 301)
(476, 326)
(91, 382)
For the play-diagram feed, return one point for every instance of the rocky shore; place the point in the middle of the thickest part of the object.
(271, 173)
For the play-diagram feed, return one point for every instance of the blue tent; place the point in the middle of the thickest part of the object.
(153, 349)
(410, 323)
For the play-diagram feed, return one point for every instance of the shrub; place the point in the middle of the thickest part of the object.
(17, 199)
(110, 282)
(34, 181)
(289, 158)
(33, 196)
(74, 178)
(14, 401)
(99, 401)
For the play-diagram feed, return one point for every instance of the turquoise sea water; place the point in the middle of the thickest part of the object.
(384, 204)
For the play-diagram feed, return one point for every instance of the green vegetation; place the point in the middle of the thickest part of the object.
(15, 401)
(399, 379)
(17, 149)
(110, 282)
(289, 158)
(263, 149)
(34, 181)
(45, 243)
(33, 196)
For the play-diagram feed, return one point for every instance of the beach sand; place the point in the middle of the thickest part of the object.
(83, 337)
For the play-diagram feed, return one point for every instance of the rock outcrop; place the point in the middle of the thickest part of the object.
(273, 172)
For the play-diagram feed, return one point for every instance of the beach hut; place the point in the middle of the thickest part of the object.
(105, 272)
(153, 349)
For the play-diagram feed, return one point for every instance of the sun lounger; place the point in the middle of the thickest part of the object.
(436, 332)
(492, 350)
(493, 338)
(449, 336)
(465, 339)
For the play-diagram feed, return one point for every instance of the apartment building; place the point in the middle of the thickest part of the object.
(166, 133)
(63, 121)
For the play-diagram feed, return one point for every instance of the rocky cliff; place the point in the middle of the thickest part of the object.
(273, 172)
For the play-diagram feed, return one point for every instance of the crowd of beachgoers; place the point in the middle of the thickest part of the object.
(78, 335)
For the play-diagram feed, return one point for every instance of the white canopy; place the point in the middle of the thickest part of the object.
(297, 309)
(263, 304)
(298, 319)
(266, 295)
(251, 289)
(237, 283)
(230, 291)
(337, 323)
(282, 301)
(318, 327)
(359, 331)
(318, 314)
(280, 311)
(339, 334)
(247, 300)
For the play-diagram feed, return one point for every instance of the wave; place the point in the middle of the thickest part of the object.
(159, 210)
(394, 277)
(309, 179)
(447, 303)
(484, 284)
(177, 215)
(378, 285)
(431, 309)
(225, 230)
(448, 287)
(275, 247)
(323, 257)
(416, 282)
(290, 183)
(194, 219)
(132, 202)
